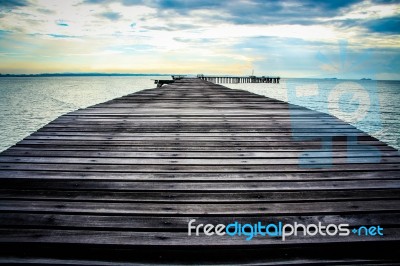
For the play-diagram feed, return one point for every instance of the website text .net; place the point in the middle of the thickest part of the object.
(280, 229)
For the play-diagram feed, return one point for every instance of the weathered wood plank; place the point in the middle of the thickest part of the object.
(198, 197)
(176, 147)
(33, 176)
(198, 161)
(177, 239)
(191, 186)
(205, 168)
(191, 143)
(176, 223)
(198, 154)
(188, 209)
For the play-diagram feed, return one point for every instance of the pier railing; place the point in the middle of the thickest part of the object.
(222, 79)
(230, 79)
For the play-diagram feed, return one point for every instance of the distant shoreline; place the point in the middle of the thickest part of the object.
(78, 75)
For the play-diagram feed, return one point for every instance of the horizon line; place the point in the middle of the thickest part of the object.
(160, 74)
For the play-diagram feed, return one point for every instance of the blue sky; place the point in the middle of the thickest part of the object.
(344, 39)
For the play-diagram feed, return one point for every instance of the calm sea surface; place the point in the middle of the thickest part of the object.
(27, 104)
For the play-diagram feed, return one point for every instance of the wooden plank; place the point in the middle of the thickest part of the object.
(176, 223)
(176, 147)
(183, 138)
(198, 197)
(188, 209)
(196, 154)
(165, 119)
(205, 168)
(198, 161)
(192, 143)
(53, 261)
(33, 176)
(220, 129)
(191, 186)
(175, 239)
(198, 134)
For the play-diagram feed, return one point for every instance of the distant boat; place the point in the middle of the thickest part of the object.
(366, 79)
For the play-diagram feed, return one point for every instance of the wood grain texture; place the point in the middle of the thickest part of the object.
(116, 183)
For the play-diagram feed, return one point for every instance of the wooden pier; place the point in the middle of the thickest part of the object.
(118, 182)
(161, 82)
(249, 79)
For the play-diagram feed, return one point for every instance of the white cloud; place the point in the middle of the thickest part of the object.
(140, 34)
(368, 10)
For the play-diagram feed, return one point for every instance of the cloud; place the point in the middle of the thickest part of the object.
(61, 36)
(248, 12)
(384, 25)
(195, 36)
(185, 6)
(46, 11)
(13, 3)
(4, 32)
(124, 2)
(62, 23)
(305, 12)
(95, 1)
(171, 27)
(113, 16)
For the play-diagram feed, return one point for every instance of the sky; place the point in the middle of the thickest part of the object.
(296, 38)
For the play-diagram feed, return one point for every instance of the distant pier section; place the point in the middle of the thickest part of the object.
(222, 79)
(161, 82)
(229, 79)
